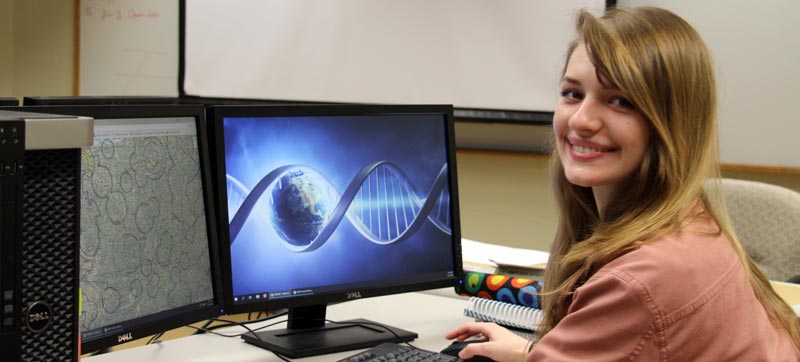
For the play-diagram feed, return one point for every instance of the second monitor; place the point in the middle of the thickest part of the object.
(147, 228)
(322, 204)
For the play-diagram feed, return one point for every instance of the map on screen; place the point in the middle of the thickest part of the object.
(144, 242)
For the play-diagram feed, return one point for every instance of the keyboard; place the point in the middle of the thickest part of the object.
(395, 352)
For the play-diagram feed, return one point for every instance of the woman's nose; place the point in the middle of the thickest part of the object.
(587, 118)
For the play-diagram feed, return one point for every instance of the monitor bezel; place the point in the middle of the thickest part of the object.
(216, 116)
(161, 323)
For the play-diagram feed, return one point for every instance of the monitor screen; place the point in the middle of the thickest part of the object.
(329, 203)
(148, 252)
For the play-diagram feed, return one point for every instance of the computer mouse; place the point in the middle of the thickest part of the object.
(457, 346)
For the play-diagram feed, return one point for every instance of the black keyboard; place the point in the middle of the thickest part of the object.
(395, 352)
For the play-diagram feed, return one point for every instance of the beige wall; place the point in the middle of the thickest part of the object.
(6, 48)
(506, 198)
(36, 48)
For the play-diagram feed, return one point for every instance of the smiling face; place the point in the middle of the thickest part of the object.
(601, 138)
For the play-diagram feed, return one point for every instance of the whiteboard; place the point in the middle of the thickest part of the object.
(128, 47)
(470, 53)
(756, 54)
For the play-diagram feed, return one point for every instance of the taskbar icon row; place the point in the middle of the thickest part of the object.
(272, 295)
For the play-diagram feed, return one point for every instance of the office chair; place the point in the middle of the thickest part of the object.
(766, 219)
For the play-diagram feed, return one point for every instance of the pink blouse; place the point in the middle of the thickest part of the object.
(683, 297)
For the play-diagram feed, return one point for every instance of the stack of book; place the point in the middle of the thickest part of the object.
(510, 301)
(519, 319)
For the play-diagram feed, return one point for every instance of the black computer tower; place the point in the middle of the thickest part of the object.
(39, 235)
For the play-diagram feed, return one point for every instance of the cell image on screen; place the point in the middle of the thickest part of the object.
(316, 203)
(144, 242)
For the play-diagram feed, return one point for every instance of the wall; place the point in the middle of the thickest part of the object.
(756, 53)
(6, 48)
(43, 47)
(506, 197)
(36, 38)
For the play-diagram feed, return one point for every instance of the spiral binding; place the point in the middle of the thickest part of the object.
(502, 313)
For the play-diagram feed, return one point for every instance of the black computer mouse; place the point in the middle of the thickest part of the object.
(457, 346)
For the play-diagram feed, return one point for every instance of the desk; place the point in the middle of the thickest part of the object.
(790, 292)
(429, 315)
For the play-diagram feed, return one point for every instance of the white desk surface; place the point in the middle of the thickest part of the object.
(429, 315)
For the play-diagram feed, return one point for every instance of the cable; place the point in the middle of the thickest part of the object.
(226, 323)
(202, 329)
(249, 330)
(241, 324)
(155, 338)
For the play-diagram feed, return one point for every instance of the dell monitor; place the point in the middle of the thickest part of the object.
(10, 102)
(329, 203)
(147, 226)
(96, 100)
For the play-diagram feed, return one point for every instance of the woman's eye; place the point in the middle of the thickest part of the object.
(622, 102)
(571, 94)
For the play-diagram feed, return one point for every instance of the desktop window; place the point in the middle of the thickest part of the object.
(332, 203)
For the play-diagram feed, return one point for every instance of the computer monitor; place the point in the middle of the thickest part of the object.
(148, 242)
(323, 204)
(6, 101)
(96, 100)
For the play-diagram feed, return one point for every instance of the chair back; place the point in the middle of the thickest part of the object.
(766, 218)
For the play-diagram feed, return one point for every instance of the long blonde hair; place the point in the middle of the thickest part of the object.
(661, 63)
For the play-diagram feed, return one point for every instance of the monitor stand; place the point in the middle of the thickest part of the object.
(309, 335)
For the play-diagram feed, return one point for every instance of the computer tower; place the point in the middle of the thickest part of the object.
(39, 234)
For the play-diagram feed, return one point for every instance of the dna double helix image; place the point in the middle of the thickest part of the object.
(304, 208)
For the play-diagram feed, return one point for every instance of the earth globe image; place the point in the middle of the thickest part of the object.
(301, 205)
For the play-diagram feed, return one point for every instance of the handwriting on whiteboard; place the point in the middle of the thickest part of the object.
(110, 10)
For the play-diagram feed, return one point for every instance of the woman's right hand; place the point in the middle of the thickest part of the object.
(501, 344)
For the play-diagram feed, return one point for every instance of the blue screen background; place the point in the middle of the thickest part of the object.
(338, 147)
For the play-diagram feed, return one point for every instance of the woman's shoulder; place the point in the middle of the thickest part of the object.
(677, 268)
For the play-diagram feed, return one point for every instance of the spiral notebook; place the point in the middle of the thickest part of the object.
(505, 314)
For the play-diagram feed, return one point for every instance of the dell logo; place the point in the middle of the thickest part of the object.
(124, 337)
(353, 295)
(38, 315)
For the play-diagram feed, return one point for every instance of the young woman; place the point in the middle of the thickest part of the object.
(645, 265)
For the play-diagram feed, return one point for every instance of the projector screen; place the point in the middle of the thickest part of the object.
(481, 55)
